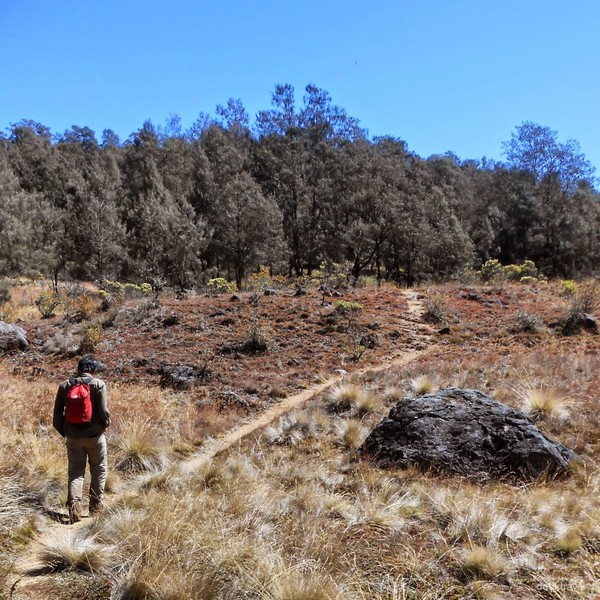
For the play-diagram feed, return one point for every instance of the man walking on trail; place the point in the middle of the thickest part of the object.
(81, 416)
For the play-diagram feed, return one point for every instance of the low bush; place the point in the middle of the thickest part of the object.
(350, 311)
(567, 288)
(219, 285)
(526, 322)
(435, 309)
(256, 339)
(264, 279)
(47, 303)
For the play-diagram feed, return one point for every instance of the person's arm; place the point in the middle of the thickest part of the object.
(103, 412)
(58, 421)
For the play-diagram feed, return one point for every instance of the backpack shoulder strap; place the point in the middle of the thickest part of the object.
(79, 380)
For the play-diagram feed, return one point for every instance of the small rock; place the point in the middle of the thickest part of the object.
(12, 337)
(230, 398)
(368, 340)
(170, 321)
(444, 331)
(183, 377)
(590, 323)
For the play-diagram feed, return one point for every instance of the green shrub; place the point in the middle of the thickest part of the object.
(349, 311)
(92, 336)
(491, 270)
(219, 285)
(47, 303)
(7, 311)
(5, 296)
(526, 272)
(567, 288)
(118, 290)
(79, 303)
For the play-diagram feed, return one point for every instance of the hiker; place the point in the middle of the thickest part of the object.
(81, 416)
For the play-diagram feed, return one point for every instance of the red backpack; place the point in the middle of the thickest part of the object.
(78, 407)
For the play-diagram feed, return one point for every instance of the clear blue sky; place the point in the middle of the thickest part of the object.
(443, 75)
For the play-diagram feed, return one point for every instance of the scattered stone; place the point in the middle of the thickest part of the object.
(229, 398)
(473, 296)
(368, 341)
(590, 323)
(183, 377)
(464, 432)
(578, 321)
(12, 337)
(170, 321)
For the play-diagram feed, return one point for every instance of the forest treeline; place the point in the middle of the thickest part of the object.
(301, 186)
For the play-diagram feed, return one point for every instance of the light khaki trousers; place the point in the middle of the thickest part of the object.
(80, 451)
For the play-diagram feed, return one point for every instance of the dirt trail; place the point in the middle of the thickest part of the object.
(219, 445)
(41, 587)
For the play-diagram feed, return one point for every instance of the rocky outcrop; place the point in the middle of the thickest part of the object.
(464, 432)
(183, 377)
(578, 321)
(12, 337)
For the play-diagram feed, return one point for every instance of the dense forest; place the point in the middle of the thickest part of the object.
(299, 188)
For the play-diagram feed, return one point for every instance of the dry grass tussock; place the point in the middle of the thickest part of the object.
(281, 523)
(292, 513)
(352, 399)
(139, 445)
(294, 427)
(424, 384)
(65, 548)
(542, 403)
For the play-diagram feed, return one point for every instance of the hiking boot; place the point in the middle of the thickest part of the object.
(96, 507)
(75, 512)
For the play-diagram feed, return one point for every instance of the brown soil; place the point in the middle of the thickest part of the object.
(307, 340)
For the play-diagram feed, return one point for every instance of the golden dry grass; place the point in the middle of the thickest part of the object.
(291, 513)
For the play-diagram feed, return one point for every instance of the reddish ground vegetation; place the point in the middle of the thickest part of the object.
(305, 336)
(308, 340)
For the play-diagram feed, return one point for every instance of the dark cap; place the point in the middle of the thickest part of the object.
(88, 364)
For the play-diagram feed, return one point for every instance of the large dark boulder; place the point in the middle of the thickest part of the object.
(464, 432)
(12, 337)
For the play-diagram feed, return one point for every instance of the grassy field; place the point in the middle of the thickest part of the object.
(291, 512)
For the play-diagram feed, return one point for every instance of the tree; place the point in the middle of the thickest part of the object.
(248, 230)
(556, 171)
(295, 160)
(535, 149)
